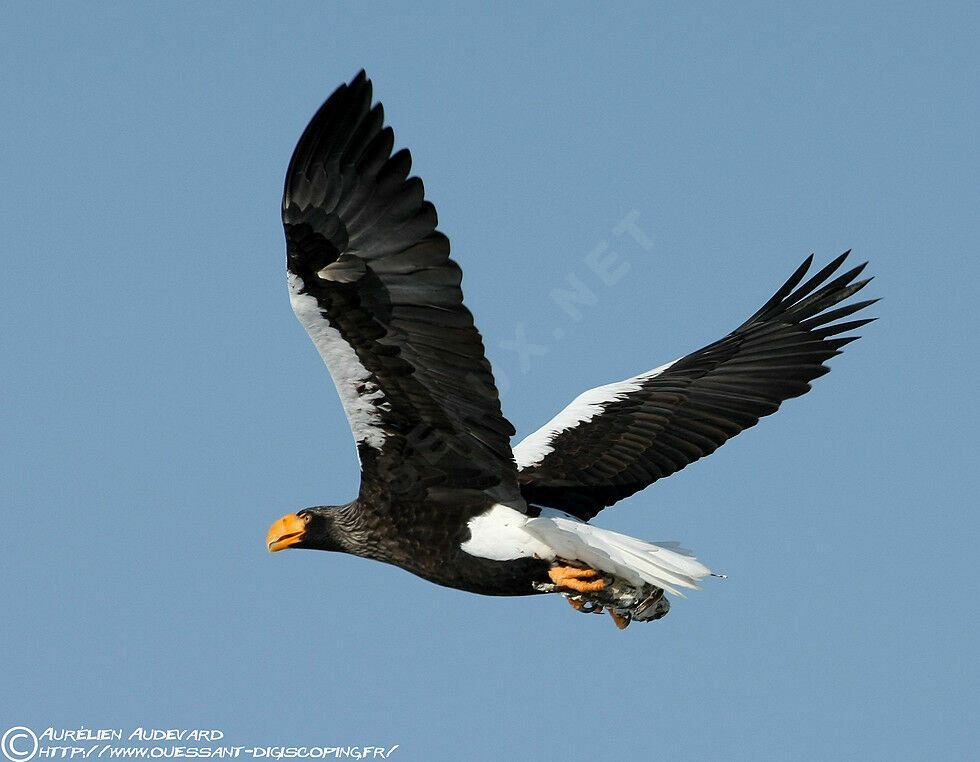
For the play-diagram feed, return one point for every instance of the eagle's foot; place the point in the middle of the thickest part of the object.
(577, 579)
(624, 601)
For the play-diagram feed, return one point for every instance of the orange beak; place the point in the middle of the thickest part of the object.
(285, 532)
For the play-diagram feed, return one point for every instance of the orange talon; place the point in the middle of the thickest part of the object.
(572, 578)
(622, 622)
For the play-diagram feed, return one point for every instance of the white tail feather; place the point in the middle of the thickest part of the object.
(621, 555)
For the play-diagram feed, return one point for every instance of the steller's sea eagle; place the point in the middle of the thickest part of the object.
(442, 493)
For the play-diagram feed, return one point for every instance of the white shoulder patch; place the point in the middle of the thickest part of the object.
(533, 449)
(363, 410)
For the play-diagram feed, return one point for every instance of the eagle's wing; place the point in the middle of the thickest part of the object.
(615, 440)
(371, 281)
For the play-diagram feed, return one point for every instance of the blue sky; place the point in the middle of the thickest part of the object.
(161, 405)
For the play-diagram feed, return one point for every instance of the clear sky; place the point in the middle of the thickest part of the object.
(160, 405)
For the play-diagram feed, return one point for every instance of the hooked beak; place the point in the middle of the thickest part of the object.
(286, 531)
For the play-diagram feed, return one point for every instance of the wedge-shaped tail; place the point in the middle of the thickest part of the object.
(626, 557)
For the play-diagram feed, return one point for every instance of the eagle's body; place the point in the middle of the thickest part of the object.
(442, 494)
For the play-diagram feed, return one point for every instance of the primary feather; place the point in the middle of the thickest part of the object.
(617, 439)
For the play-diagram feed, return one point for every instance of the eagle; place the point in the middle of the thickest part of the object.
(443, 494)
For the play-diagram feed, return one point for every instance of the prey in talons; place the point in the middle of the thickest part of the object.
(590, 593)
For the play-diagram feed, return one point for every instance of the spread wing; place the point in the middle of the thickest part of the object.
(371, 281)
(617, 439)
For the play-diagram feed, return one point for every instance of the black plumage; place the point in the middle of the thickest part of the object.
(362, 239)
(702, 400)
(441, 493)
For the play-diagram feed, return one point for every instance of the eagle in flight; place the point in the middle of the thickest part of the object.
(443, 494)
